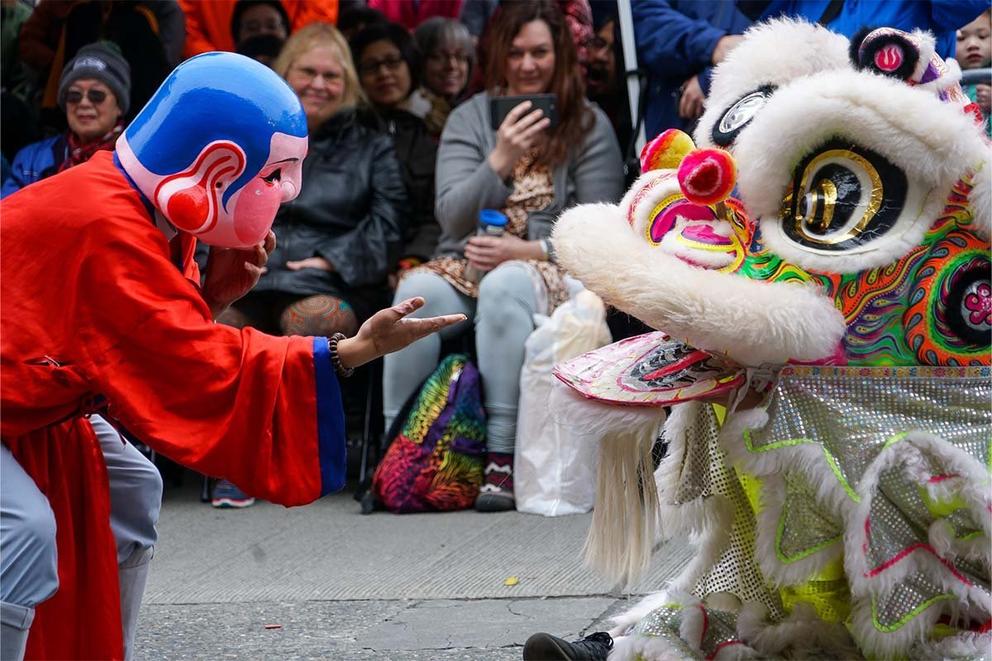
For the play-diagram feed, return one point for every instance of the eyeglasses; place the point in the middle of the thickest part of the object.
(371, 66)
(95, 96)
(309, 74)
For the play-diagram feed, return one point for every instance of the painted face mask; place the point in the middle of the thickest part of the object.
(218, 148)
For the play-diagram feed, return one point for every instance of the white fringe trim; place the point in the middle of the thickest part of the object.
(643, 648)
(625, 517)
(980, 198)
(801, 630)
(710, 543)
(649, 648)
(669, 472)
(780, 320)
(623, 622)
(875, 643)
(777, 572)
(972, 485)
(809, 459)
(974, 491)
(965, 645)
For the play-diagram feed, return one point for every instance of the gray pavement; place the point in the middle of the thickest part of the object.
(323, 581)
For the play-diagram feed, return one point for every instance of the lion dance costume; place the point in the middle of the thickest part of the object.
(820, 265)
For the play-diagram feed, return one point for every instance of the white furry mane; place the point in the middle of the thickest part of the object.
(752, 322)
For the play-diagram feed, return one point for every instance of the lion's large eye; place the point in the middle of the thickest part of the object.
(739, 115)
(843, 197)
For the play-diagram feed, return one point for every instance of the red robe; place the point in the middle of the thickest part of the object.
(92, 310)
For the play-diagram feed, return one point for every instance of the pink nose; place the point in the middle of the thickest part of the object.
(707, 176)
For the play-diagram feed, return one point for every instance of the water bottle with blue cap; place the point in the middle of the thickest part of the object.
(491, 223)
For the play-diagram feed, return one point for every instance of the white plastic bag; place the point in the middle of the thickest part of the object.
(554, 469)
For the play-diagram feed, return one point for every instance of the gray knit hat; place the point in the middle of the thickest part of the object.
(102, 61)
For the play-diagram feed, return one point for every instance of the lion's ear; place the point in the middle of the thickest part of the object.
(887, 52)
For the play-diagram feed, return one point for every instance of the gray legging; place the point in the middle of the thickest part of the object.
(28, 566)
(504, 317)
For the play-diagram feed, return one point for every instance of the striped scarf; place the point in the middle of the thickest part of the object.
(77, 152)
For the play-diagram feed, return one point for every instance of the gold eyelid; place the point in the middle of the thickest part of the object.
(871, 208)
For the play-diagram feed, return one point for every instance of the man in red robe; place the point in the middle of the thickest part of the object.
(102, 310)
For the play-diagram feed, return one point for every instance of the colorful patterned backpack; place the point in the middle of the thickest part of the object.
(435, 461)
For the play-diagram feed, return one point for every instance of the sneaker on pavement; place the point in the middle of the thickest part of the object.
(226, 495)
(545, 647)
(496, 494)
(494, 499)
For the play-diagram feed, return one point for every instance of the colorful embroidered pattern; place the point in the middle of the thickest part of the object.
(918, 310)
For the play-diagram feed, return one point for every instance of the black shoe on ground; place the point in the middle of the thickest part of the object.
(494, 499)
(545, 647)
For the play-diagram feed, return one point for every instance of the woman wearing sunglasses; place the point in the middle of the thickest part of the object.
(93, 92)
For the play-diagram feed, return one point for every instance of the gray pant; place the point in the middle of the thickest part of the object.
(503, 316)
(28, 558)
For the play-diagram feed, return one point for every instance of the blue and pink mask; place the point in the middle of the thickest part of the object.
(218, 148)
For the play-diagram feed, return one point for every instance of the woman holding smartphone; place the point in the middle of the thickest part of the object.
(531, 172)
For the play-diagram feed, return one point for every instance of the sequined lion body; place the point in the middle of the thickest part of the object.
(841, 294)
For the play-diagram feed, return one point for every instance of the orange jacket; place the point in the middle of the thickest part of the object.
(208, 22)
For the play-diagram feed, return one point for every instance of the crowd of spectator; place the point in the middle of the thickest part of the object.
(402, 153)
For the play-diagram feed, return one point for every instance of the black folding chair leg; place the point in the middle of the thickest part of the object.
(370, 452)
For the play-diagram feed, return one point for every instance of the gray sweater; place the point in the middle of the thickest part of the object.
(466, 183)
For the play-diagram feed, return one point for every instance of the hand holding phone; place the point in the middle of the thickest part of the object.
(521, 129)
(500, 107)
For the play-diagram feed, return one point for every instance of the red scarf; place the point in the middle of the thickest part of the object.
(77, 152)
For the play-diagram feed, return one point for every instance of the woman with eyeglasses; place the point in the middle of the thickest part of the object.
(448, 57)
(94, 92)
(388, 68)
(338, 240)
(530, 171)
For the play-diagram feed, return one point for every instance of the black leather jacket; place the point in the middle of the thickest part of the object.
(416, 152)
(350, 211)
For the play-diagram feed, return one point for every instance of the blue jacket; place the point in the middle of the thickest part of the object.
(675, 41)
(33, 163)
(942, 17)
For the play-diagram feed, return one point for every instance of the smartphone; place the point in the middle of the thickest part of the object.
(500, 106)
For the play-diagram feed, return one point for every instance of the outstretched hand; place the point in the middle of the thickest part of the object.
(390, 330)
(233, 272)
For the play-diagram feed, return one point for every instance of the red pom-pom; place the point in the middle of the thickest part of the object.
(707, 176)
(187, 209)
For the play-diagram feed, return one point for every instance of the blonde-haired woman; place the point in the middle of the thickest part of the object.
(338, 240)
(320, 48)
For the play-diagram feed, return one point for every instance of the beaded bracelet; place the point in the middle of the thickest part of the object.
(332, 345)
